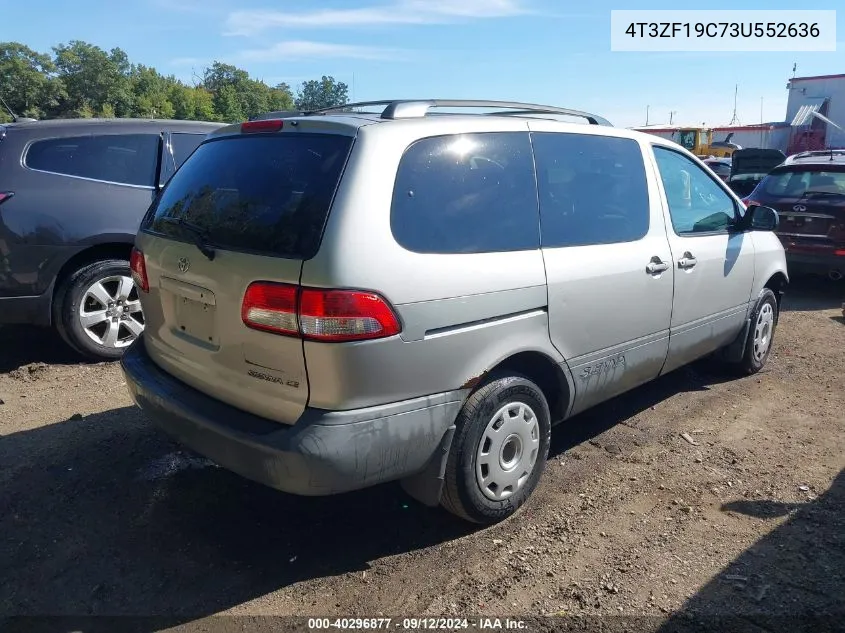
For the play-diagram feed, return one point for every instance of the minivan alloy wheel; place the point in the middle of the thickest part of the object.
(110, 312)
(507, 451)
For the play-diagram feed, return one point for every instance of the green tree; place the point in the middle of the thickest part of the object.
(219, 75)
(27, 81)
(151, 93)
(93, 77)
(204, 105)
(281, 98)
(227, 105)
(325, 93)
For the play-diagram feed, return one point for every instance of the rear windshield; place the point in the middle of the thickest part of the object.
(267, 194)
(800, 183)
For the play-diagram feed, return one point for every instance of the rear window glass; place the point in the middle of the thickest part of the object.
(130, 159)
(467, 193)
(805, 182)
(266, 194)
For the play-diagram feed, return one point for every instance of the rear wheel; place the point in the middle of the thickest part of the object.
(98, 311)
(499, 450)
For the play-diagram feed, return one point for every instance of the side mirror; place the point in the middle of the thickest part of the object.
(758, 218)
(764, 219)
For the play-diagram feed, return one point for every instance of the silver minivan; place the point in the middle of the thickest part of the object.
(419, 290)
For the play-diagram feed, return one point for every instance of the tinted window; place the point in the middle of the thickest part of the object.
(720, 169)
(592, 189)
(182, 145)
(269, 194)
(800, 183)
(468, 193)
(125, 158)
(697, 204)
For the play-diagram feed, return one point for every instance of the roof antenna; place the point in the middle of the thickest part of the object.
(6, 105)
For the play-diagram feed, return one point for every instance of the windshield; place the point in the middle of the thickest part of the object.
(268, 194)
(800, 183)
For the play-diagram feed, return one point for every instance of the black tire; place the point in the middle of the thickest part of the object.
(70, 298)
(462, 493)
(752, 360)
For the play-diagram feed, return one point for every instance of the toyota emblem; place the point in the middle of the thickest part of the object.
(184, 264)
(799, 207)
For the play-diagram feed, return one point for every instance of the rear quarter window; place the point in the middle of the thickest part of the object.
(593, 189)
(183, 144)
(130, 159)
(267, 194)
(468, 193)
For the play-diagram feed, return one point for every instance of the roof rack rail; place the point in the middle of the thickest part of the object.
(816, 153)
(412, 108)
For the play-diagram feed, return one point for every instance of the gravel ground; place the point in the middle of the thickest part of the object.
(744, 515)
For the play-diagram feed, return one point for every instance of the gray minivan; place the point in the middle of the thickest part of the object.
(342, 298)
(72, 194)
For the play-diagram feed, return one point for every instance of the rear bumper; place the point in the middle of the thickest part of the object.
(819, 262)
(325, 452)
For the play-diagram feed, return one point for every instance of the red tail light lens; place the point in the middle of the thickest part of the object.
(318, 315)
(270, 307)
(5, 195)
(269, 125)
(344, 315)
(138, 266)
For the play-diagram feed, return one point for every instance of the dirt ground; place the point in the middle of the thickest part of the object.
(100, 514)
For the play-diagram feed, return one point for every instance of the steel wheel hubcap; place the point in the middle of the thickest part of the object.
(110, 312)
(507, 452)
(763, 331)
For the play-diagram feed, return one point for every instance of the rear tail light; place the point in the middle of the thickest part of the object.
(840, 252)
(318, 315)
(268, 125)
(139, 270)
(270, 307)
(748, 202)
(5, 195)
(344, 315)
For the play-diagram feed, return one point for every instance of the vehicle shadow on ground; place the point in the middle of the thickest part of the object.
(24, 344)
(789, 580)
(98, 516)
(813, 293)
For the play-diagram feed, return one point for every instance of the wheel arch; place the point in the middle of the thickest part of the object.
(777, 283)
(113, 249)
(553, 379)
(542, 370)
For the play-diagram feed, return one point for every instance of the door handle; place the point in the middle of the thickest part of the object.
(687, 261)
(656, 266)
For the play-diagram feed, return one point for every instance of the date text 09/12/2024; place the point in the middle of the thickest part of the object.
(416, 624)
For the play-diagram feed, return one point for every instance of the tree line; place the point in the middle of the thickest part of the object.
(81, 80)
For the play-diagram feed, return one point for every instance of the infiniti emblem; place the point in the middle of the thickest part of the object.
(799, 208)
(184, 264)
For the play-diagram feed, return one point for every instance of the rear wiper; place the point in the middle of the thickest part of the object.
(199, 234)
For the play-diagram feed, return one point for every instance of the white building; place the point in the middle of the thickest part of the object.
(824, 94)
